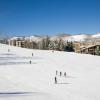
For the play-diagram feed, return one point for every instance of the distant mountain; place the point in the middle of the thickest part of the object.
(64, 37)
(81, 37)
(96, 35)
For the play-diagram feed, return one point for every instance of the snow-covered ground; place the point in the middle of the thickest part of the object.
(20, 80)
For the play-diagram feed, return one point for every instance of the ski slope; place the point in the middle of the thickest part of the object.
(20, 80)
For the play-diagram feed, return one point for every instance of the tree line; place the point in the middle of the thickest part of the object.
(47, 44)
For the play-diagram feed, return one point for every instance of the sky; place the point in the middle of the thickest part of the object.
(49, 17)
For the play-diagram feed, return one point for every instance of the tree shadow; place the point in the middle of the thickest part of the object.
(8, 94)
(70, 77)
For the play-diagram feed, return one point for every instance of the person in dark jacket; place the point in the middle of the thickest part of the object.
(55, 80)
(32, 54)
(65, 74)
(30, 62)
(56, 72)
(60, 73)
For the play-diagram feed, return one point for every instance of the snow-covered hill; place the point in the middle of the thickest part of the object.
(77, 37)
(96, 35)
(20, 80)
(81, 37)
(65, 37)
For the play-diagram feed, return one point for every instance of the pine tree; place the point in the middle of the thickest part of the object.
(97, 51)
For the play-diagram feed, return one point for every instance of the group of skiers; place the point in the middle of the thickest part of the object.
(30, 60)
(57, 73)
(60, 74)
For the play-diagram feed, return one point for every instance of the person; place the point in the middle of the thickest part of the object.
(56, 72)
(32, 54)
(60, 73)
(8, 50)
(55, 80)
(65, 74)
(30, 61)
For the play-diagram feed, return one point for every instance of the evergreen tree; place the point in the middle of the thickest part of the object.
(69, 47)
(97, 51)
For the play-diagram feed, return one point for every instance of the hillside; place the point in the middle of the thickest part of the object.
(20, 80)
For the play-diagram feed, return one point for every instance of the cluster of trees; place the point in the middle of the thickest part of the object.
(97, 51)
(4, 41)
(47, 44)
(61, 46)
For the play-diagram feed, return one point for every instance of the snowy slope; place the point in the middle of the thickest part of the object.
(81, 37)
(96, 35)
(20, 80)
(33, 38)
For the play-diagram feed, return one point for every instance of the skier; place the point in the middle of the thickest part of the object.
(32, 54)
(30, 61)
(65, 74)
(8, 50)
(56, 72)
(60, 73)
(55, 80)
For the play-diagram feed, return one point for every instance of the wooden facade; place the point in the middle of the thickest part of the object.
(94, 50)
(81, 47)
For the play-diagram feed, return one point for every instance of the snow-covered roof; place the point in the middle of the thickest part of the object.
(89, 46)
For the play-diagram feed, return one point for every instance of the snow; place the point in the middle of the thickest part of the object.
(96, 35)
(16, 38)
(81, 37)
(25, 81)
(65, 37)
(33, 38)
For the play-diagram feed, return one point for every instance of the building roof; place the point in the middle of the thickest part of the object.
(89, 46)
